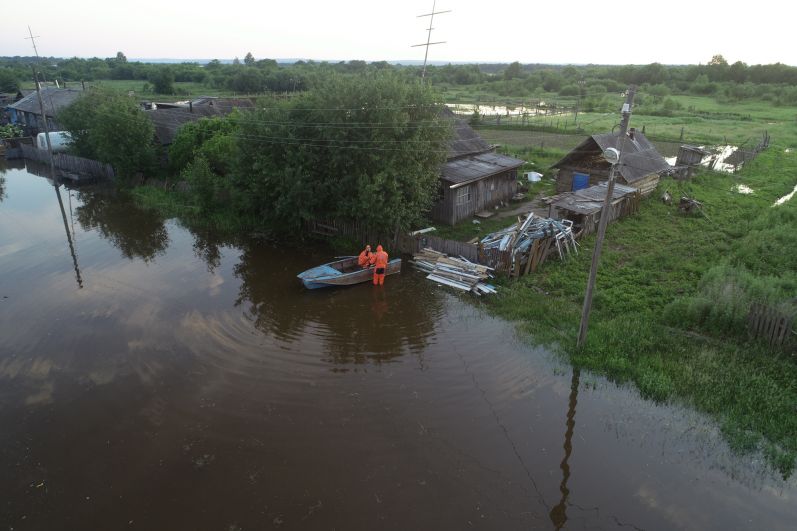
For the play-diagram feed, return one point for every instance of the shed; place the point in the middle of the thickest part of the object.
(474, 177)
(641, 165)
(583, 207)
(27, 113)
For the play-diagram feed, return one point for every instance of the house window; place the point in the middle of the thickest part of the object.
(463, 195)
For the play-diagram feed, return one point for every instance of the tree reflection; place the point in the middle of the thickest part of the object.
(137, 232)
(355, 324)
(2, 188)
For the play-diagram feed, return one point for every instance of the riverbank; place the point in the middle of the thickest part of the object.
(672, 297)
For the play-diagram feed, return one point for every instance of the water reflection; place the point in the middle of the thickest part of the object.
(354, 324)
(558, 514)
(69, 241)
(136, 232)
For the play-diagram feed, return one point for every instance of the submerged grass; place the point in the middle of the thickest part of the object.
(660, 265)
(173, 204)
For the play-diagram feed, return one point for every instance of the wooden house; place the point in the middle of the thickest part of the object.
(474, 177)
(640, 165)
(27, 113)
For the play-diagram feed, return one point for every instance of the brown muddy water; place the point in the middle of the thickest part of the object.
(152, 378)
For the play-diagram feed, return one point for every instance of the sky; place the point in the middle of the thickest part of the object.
(573, 32)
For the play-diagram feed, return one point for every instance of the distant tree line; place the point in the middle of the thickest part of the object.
(776, 83)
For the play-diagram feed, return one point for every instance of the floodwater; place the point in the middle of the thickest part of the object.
(154, 378)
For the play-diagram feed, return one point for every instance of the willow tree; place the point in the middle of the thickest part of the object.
(366, 148)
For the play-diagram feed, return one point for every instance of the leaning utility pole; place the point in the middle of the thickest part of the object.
(604, 220)
(45, 125)
(429, 35)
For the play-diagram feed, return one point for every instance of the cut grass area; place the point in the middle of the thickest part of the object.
(651, 261)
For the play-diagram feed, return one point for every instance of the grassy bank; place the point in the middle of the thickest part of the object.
(670, 303)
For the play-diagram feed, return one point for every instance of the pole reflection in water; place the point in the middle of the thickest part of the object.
(69, 237)
(559, 513)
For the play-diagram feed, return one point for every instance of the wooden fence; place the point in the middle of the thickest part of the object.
(770, 325)
(70, 163)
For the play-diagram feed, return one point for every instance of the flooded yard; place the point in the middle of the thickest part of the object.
(152, 377)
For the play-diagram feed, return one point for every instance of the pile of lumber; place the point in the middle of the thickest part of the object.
(457, 273)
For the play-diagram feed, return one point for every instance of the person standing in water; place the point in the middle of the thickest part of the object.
(380, 260)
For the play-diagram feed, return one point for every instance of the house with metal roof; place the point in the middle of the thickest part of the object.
(474, 177)
(27, 113)
(640, 164)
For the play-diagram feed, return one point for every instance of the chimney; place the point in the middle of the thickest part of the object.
(632, 132)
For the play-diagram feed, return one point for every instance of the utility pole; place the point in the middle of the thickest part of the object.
(596, 254)
(45, 125)
(429, 35)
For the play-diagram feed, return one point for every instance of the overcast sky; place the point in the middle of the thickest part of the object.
(573, 31)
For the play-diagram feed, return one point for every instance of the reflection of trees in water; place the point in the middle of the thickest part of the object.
(355, 324)
(2, 188)
(137, 232)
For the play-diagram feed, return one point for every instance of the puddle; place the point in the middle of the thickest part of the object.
(786, 197)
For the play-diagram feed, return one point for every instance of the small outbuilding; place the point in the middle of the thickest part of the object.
(474, 177)
(640, 165)
(583, 207)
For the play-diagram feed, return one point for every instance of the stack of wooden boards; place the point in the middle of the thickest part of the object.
(457, 273)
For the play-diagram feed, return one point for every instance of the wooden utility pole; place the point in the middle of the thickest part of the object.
(45, 125)
(604, 220)
(429, 35)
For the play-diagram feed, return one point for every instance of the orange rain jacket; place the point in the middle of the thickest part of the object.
(365, 259)
(381, 258)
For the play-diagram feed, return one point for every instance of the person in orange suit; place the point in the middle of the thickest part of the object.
(366, 257)
(379, 260)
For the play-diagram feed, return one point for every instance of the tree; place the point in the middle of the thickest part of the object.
(366, 147)
(162, 79)
(211, 138)
(513, 71)
(249, 60)
(111, 127)
(718, 60)
(236, 61)
(120, 57)
(9, 82)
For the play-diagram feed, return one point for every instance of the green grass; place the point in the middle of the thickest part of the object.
(654, 262)
(702, 118)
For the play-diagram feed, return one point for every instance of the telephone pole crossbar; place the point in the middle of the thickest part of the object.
(429, 35)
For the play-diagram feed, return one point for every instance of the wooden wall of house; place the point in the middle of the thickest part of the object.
(564, 180)
(484, 194)
(646, 186)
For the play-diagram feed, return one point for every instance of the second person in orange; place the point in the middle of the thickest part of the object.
(379, 260)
